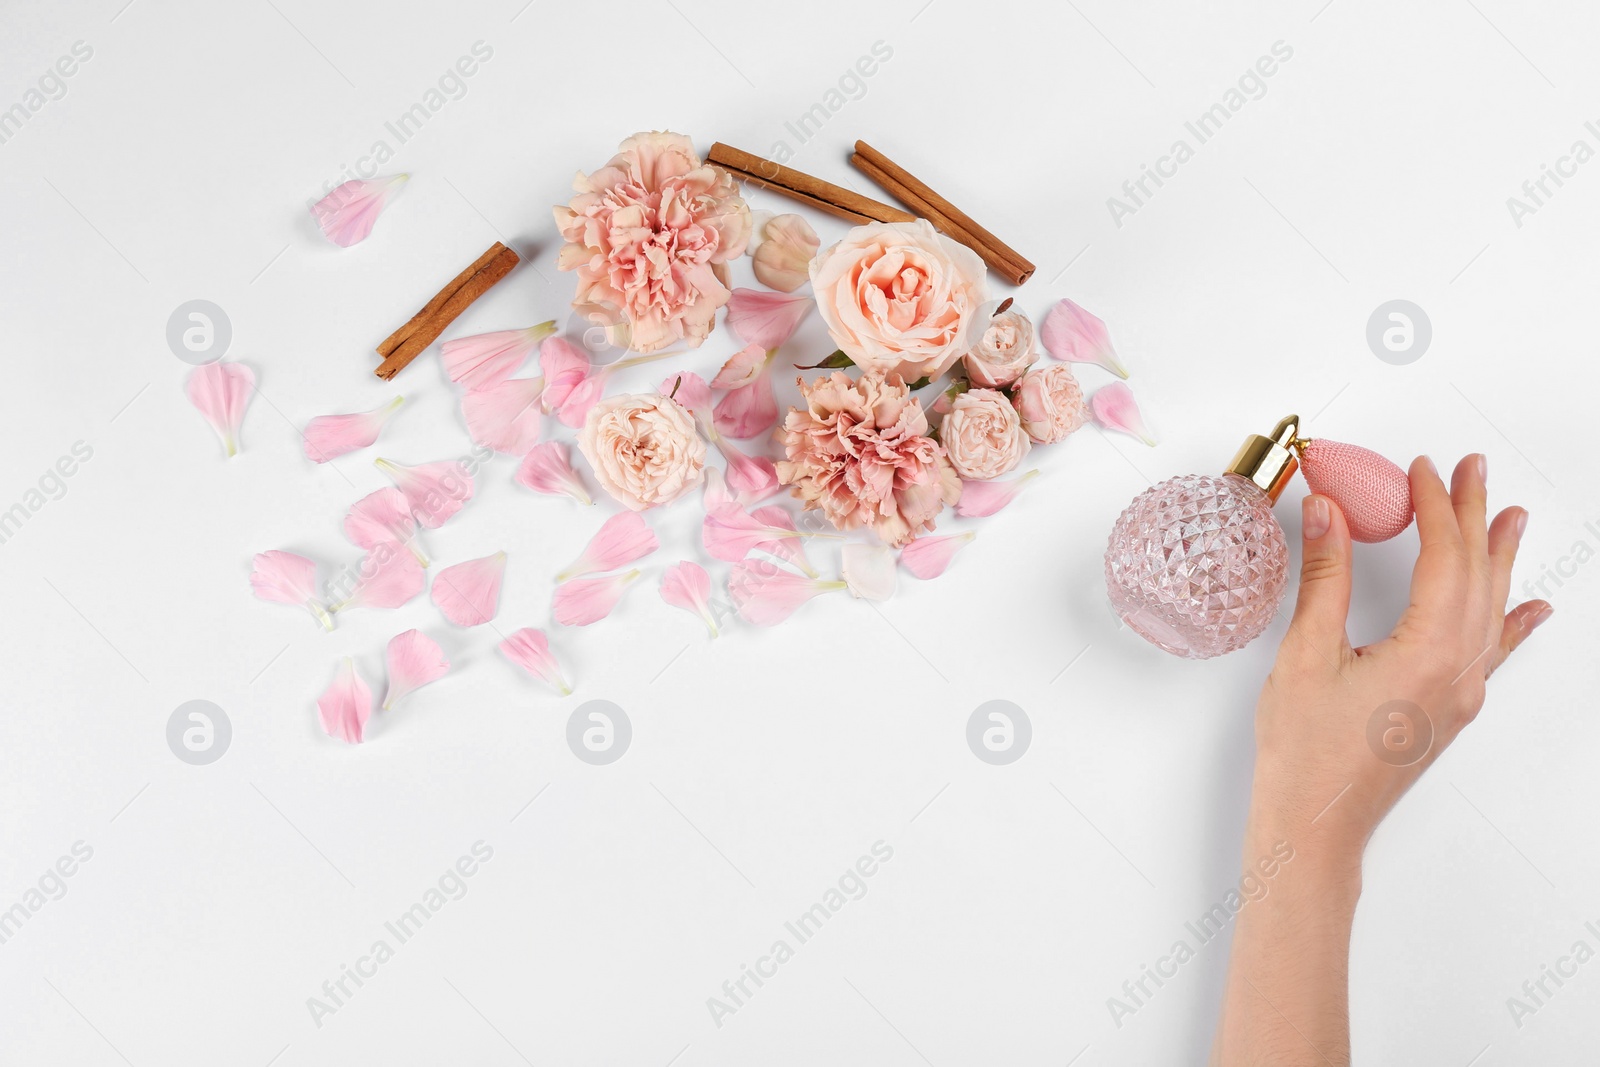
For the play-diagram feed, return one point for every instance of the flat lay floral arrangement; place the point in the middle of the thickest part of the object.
(930, 407)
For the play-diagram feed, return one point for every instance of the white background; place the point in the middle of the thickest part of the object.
(178, 165)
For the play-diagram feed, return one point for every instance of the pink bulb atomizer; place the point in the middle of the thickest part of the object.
(1198, 564)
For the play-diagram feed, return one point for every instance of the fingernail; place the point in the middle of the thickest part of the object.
(1539, 618)
(1483, 468)
(1522, 524)
(1314, 517)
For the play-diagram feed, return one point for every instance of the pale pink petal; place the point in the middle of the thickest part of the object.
(784, 255)
(468, 594)
(387, 577)
(1115, 409)
(623, 538)
(381, 517)
(929, 556)
(415, 659)
(789, 544)
(767, 320)
(547, 468)
(1071, 333)
(764, 594)
(753, 478)
(587, 600)
(346, 215)
(868, 570)
(285, 578)
(221, 392)
(742, 368)
(749, 411)
(434, 491)
(730, 533)
(345, 705)
(982, 499)
(330, 436)
(690, 390)
(505, 416)
(564, 366)
(530, 649)
(585, 395)
(486, 359)
(687, 585)
(716, 496)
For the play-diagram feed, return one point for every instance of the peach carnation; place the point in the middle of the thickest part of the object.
(982, 435)
(650, 235)
(859, 452)
(644, 449)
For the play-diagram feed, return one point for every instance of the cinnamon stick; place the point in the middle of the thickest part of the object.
(960, 226)
(824, 196)
(392, 342)
(445, 307)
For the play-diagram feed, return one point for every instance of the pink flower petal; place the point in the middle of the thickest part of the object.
(486, 359)
(564, 367)
(689, 390)
(1115, 409)
(468, 594)
(434, 491)
(749, 411)
(623, 538)
(764, 594)
(586, 600)
(783, 257)
(387, 577)
(929, 556)
(285, 578)
(687, 585)
(753, 478)
(585, 395)
(415, 659)
(345, 705)
(530, 649)
(730, 533)
(346, 215)
(742, 368)
(764, 319)
(788, 545)
(982, 499)
(505, 416)
(1071, 333)
(330, 436)
(380, 517)
(868, 570)
(547, 468)
(221, 392)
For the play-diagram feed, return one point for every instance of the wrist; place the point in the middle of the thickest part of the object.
(1322, 843)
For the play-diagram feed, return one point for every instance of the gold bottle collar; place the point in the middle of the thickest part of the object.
(1270, 462)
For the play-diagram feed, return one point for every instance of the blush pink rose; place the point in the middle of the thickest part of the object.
(898, 298)
(860, 453)
(1003, 352)
(1050, 403)
(650, 235)
(982, 435)
(644, 449)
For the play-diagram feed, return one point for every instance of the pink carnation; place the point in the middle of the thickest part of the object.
(859, 452)
(650, 235)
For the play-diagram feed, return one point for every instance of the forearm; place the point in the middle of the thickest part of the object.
(1286, 997)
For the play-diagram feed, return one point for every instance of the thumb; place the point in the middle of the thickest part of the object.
(1324, 599)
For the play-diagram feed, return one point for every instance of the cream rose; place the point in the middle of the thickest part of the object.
(1050, 403)
(644, 449)
(899, 297)
(1003, 352)
(982, 435)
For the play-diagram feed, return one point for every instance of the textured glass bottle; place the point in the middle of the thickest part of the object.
(1198, 564)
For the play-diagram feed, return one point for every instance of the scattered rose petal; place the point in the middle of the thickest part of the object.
(767, 320)
(434, 491)
(382, 517)
(742, 368)
(1115, 409)
(783, 258)
(868, 570)
(505, 416)
(468, 594)
(387, 577)
(730, 533)
(415, 659)
(486, 359)
(285, 578)
(586, 600)
(547, 468)
(982, 499)
(764, 594)
(928, 556)
(345, 705)
(687, 585)
(330, 436)
(221, 392)
(753, 478)
(623, 538)
(530, 649)
(1071, 333)
(749, 411)
(564, 367)
(574, 410)
(690, 390)
(346, 215)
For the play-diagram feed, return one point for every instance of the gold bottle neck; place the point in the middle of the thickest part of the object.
(1269, 462)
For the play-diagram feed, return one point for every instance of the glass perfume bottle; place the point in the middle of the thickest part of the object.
(1198, 564)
